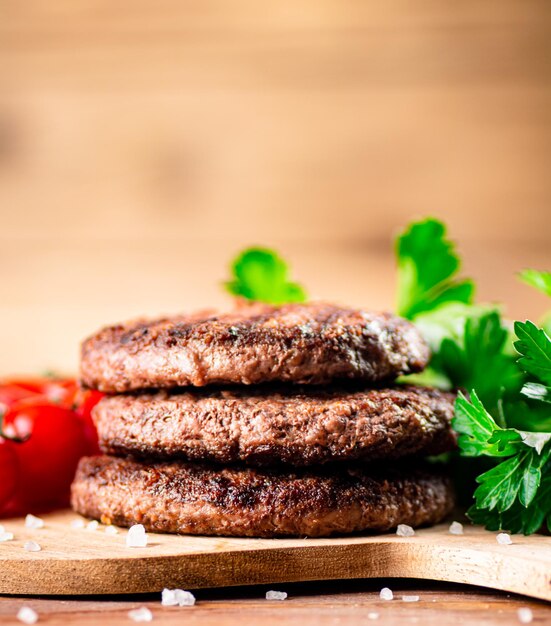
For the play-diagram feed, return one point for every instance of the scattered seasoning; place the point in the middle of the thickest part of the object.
(386, 594)
(276, 595)
(77, 523)
(93, 525)
(136, 537)
(27, 615)
(456, 528)
(32, 546)
(504, 539)
(177, 597)
(141, 615)
(410, 598)
(111, 530)
(403, 530)
(33, 522)
(525, 615)
(5, 536)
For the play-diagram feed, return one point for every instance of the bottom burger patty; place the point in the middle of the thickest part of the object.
(197, 499)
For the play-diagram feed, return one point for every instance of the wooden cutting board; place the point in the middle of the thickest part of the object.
(85, 562)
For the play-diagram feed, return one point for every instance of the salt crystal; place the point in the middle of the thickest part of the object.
(168, 597)
(456, 528)
(93, 525)
(141, 615)
(33, 522)
(404, 530)
(27, 615)
(4, 536)
(177, 597)
(77, 523)
(372, 616)
(185, 598)
(136, 537)
(32, 546)
(525, 615)
(410, 598)
(276, 595)
(504, 539)
(111, 530)
(386, 594)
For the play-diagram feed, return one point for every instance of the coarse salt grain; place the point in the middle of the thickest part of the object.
(27, 615)
(386, 594)
(525, 615)
(410, 598)
(93, 525)
(456, 528)
(168, 597)
(136, 537)
(372, 616)
(111, 530)
(6, 537)
(403, 530)
(276, 595)
(77, 523)
(33, 522)
(141, 615)
(32, 546)
(177, 597)
(504, 539)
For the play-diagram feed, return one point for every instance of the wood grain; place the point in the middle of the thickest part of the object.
(334, 603)
(87, 562)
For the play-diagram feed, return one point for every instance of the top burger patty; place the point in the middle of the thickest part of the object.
(299, 343)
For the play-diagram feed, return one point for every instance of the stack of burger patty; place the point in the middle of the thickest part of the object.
(267, 421)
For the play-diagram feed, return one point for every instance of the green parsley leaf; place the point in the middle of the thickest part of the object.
(537, 279)
(509, 494)
(479, 434)
(518, 519)
(261, 275)
(427, 264)
(448, 321)
(517, 477)
(477, 430)
(534, 345)
(481, 360)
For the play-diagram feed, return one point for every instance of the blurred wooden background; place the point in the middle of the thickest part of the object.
(143, 143)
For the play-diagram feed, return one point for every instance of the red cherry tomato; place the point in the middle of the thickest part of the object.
(11, 393)
(60, 391)
(47, 459)
(8, 472)
(85, 401)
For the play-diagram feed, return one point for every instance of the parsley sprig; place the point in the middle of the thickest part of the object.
(261, 275)
(504, 415)
(427, 269)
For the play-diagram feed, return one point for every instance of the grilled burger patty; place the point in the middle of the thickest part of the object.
(296, 425)
(201, 500)
(299, 343)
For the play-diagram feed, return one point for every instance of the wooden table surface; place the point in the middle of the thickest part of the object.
(316, 604)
